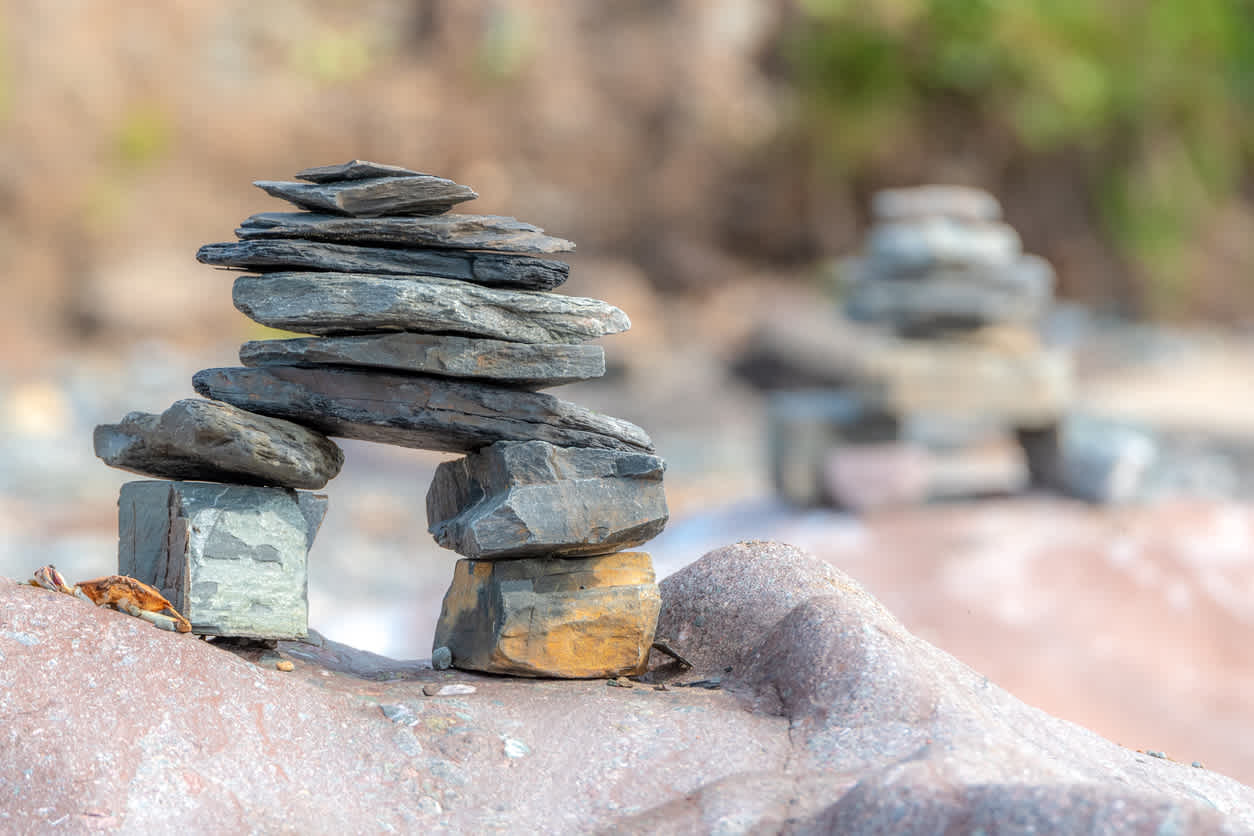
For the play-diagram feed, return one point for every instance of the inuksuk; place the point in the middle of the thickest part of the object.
(946, 282)
(429, 329)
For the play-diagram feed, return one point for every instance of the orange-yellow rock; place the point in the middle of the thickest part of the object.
(562, 617)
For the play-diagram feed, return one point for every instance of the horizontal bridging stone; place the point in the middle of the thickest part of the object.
(531, 499)
(346, 303)
(493, 269)
(517, 364)
(416, 411)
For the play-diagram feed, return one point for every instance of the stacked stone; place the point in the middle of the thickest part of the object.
(947, 280)
(435, 330)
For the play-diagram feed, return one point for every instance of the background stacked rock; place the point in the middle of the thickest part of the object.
(947, 281)
(437, 330)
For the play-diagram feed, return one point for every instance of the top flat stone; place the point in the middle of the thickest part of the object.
(352, 170)
(958, 202)
(419, 194)
(467, 232)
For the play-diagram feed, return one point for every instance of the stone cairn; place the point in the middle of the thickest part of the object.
(432, 330)
(945, 279)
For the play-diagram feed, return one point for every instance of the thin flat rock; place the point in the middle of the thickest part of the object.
(352, 170)
(419, 194)
(211, 441)
(468, 232)
(516, 364)
(415, 411)
(347, 303)
(492, 269)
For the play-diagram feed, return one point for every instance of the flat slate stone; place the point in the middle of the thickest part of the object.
(347, 303)
(570, 618)
(517, 364)
(903, 248)
(416, 411)
(493, 269)
(231, 558)
(959, 202)
(532, 499)
(215, 442)
(418, 194)
(352, 170)
(467, 232)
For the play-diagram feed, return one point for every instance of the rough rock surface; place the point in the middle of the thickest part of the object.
(231, 558)
(531, 499)
(575, 618)
(415, 194)
(185, 731)
(521, 364)
(413, 411)
(493, 269)
(470, 232)
(344, 303)
(215, 442)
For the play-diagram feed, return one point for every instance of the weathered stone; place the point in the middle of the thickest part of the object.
(1104, 461)
(493, 269)
(955, 297)
(416, 194)
(522, 364)
(230, 558)
(569, 618)
(471, 232)
(958, 202)
(531, 499)
(215, 442)
(416, 411)
(352, 170)
(902, 249)
(338, 303)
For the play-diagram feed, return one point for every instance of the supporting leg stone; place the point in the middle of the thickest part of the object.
(562, 617)
(231, 558)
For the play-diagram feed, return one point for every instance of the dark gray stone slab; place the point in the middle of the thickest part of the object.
(532, 499)
(960, 202)
(215, 442)
(352, 170)
(415, 411)
(231, 558)
(467, 232)
(346, 303)
(493, 269)
(955, 298)
(516, 364)
(418, 194)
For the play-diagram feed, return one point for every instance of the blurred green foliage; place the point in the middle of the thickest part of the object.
(1158, 93)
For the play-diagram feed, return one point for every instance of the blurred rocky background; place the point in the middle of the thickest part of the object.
(711, 158)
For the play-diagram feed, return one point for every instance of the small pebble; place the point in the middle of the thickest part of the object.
(699, 621)
(621, 682)
(1156, 754)
(436, 690)
(284, 665)
(516, 748)
(400, 714)
(441, 658)
(1198, 765)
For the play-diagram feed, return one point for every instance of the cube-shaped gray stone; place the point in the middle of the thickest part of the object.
(231, 558)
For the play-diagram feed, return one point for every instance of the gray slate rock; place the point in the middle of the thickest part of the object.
(1105, 461)
(345, 303)
(958, 202)
(468, 232)
(415, 411)
(352, 170)
(231, 558)
(493, 269)
(909, 248)
(532, 499)
(215, 442)
(517, 364)
(954, 298)
(419, 194)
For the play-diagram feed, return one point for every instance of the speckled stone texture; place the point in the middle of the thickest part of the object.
(833, 719)
(231, 558)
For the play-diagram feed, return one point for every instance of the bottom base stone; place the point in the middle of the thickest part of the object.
(572, 618)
